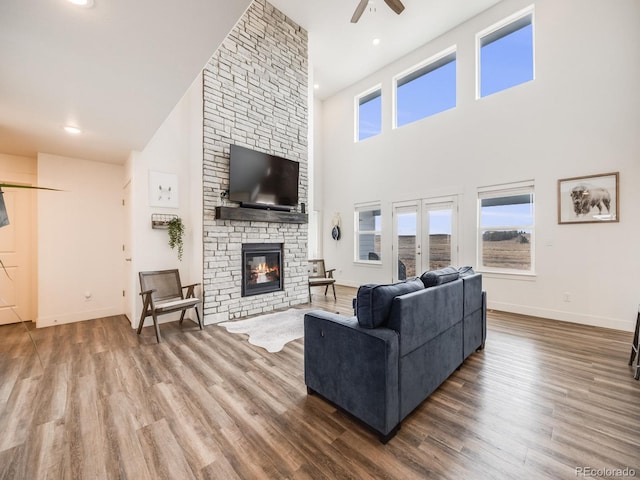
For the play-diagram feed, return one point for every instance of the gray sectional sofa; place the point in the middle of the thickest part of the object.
(404, 341)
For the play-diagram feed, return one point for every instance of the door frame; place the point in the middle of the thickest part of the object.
(24, 171)
(421, 207)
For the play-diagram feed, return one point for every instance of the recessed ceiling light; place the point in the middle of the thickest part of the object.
(82, 3)
(72, 130)
(376, 42)
(316, 86)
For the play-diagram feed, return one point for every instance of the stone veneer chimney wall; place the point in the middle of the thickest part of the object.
(255, 95)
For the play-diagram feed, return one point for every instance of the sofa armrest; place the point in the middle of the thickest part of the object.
(355, 368)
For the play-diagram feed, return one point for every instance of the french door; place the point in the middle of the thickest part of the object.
(425, 236)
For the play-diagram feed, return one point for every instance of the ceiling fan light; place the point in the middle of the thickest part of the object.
(82, 3)
(72, 130)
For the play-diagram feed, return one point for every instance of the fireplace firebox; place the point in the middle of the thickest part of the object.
(261, 268)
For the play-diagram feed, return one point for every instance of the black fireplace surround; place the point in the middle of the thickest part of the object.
(262, 270)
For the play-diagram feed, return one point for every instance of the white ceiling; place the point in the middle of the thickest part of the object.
(342, 53)
(116, 70)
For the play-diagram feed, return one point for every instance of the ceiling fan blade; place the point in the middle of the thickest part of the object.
(395, 5)
(13, 185)
(359, 11)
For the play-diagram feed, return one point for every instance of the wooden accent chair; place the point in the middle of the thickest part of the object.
(320, 277)
(635, 347)
(163, 293)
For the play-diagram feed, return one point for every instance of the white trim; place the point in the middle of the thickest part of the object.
(356, 111)
(507, 20)
(563, 316)
(74, 317)
(504, 274)
(505, 190)
(394, 80)
(365, 207)
(530, 10)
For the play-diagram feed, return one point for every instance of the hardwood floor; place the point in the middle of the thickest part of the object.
(542, 399)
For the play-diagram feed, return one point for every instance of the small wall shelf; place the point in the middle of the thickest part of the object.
(259, 215)
(161, 220)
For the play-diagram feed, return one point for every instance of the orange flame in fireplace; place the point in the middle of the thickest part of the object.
(264, 269)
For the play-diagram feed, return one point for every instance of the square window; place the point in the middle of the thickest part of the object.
(428, 90)
(506, 56)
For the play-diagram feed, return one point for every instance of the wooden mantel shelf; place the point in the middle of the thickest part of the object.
(259, 215)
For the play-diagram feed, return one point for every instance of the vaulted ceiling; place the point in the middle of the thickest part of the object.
(117, 69)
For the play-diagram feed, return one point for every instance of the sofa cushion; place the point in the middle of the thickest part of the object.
(438, 277)
(373, 302)
(466, 271)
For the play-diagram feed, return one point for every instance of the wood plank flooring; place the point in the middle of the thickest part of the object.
(542, 399)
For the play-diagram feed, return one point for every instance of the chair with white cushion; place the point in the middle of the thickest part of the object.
(162, 292)
(320, 277)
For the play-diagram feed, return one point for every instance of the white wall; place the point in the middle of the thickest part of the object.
(580, 116)
(316, 182)
(175, 148)
(80, 235)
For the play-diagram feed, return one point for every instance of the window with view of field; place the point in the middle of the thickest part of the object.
(368, 235)
(369, 108)
(506, 230)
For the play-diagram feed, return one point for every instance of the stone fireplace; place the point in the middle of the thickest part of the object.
(262, 270)
(255, 90)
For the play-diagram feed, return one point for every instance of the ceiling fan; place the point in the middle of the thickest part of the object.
(395, 5)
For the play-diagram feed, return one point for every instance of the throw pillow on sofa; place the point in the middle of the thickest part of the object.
(438, 277)
(373, 302)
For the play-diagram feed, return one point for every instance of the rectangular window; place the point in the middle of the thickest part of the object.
(506, 229)
(505, 56)
(426, 90)
(368, 235)
(369, 114)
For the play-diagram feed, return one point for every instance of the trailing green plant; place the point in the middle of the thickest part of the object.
(176, 233)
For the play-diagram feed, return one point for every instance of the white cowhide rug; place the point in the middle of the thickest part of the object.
(271, 331)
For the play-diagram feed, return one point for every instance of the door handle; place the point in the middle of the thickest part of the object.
(127, 259)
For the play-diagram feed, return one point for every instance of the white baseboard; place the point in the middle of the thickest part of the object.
(76, 317)
(572, 317)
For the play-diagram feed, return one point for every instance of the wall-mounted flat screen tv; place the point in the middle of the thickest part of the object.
(261, 180)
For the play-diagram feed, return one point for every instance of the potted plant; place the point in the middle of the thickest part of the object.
(176, 234)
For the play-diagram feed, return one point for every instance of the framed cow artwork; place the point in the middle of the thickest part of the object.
(590, 199)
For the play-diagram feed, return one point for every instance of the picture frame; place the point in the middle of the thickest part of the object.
(589, 199)
(163, 190)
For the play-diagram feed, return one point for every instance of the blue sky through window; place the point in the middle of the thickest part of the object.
(427, 95)
(507, 62)
(504, 63)
(439, 223)
(370, 118)
(508, 215)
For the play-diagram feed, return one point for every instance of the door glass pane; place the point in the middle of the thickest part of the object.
(407, 238)
(439, 228)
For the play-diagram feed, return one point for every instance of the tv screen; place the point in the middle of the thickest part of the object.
(260, 179)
